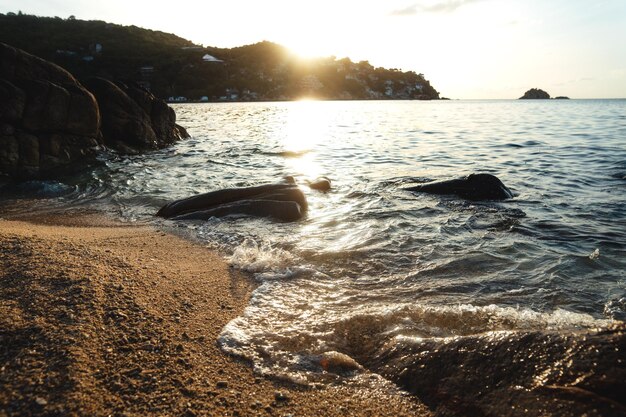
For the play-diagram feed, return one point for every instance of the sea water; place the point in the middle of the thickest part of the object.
(372, 262)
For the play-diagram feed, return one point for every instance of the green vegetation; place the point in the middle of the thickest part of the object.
(171, 66)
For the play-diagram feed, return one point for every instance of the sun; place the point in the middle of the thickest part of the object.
(306, 47)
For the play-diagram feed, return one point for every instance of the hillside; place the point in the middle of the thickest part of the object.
(171, 66)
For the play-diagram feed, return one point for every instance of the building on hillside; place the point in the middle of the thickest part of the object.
(210, 58)
(95, 48)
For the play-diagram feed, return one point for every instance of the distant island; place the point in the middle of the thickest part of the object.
(176, 69)
(539, 94)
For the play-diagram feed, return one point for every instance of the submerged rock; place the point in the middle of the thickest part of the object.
(471, 187)
(287, 211)
(284, 202)
(320, 184)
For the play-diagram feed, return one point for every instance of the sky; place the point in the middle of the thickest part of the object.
(468, 49)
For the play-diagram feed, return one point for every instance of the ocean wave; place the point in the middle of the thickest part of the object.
(252, 256)
(289, 343)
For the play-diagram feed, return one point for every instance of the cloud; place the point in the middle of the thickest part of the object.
(439, 6)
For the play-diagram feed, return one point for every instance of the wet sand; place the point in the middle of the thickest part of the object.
(98, 319)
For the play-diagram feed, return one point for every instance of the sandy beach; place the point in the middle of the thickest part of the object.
(99, 319)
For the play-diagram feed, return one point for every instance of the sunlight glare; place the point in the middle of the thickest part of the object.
(307, 126)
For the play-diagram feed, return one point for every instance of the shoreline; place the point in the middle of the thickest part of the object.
(103, 318)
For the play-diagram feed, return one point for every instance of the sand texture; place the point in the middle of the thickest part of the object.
(100, 319)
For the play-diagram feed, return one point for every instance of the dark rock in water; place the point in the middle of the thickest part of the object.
(535, 94)
(320, 184)
(561, 98)
(288, 179)
(284, 202)
(48, 120)
(50, 123)
(514, 373)
(287, 211)
(133, 119)
(471, 187)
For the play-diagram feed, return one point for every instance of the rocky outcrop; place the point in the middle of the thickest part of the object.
(513, 373)
(471, 187)
(133, 119)
(535, 93)
(284, 202)
(50, 123)
(48, 120)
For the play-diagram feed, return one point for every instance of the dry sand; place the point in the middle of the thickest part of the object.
(100, 319)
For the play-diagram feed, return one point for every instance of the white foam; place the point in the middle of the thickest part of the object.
(279, 339)
(250, 256)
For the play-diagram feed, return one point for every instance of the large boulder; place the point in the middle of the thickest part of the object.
(133, 119)
(48, 120)
(511, 373)
(472, 187)
(50, 123)
(284, 202)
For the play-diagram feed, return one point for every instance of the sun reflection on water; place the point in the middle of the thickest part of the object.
(307, 126)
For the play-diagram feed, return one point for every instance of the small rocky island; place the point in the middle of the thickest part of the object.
(535, 94)
(539, 94)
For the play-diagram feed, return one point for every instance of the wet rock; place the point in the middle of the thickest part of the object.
(541, 373)
(283, 202)
(471, 187)
(320, 184)
(338, 363)
(287, 211)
